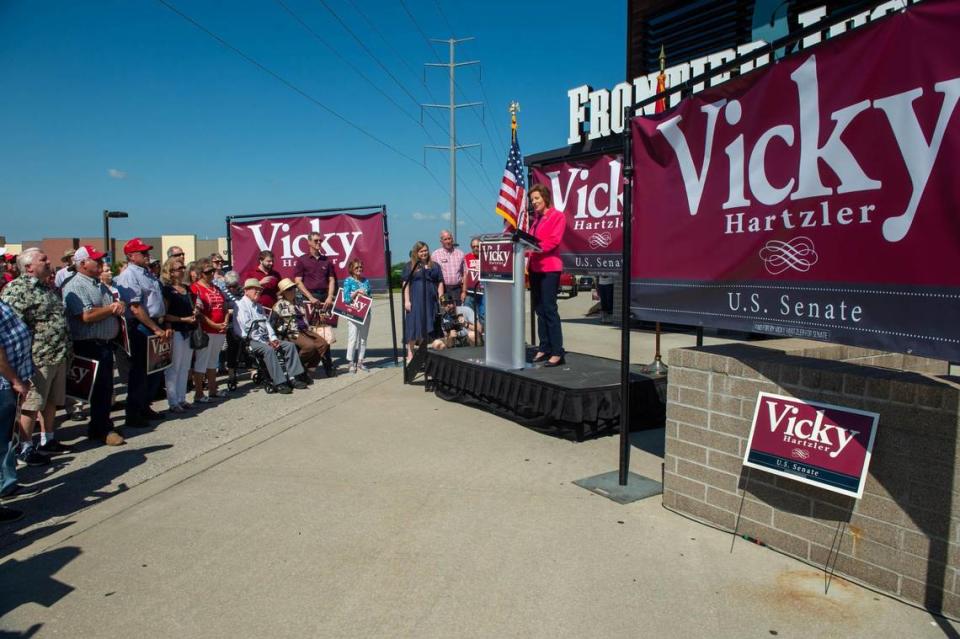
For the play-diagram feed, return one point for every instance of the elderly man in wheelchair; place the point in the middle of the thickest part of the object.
(263, 342)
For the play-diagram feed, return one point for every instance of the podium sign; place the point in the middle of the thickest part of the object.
(496, 261)
(501, 270)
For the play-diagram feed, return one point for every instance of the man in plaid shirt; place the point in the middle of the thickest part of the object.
(450, 259)
(16, 371)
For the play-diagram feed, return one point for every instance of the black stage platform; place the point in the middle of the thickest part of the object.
(576, 401)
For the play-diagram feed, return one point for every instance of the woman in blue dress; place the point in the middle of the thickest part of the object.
(421, 298)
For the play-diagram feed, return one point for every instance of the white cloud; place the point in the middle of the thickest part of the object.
(418, 215)
(117, 174)
(445, 216)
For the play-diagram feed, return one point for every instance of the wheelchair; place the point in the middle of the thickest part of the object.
(251, 359)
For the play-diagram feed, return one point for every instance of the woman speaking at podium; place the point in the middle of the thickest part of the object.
(547, 225)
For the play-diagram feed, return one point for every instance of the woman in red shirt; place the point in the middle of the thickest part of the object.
(547, 224)
(214, 320)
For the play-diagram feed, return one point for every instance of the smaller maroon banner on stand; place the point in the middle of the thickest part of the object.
(590, 194)
(80, 377)
(818, 444)
(344, 236)
(496, 261)
(159, 354)
(355, 311)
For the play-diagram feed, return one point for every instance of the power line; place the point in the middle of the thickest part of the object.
(347, 62)
(373, 56)
(290, 85)
(426, 40)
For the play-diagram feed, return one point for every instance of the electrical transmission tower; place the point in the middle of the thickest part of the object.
(453, 147)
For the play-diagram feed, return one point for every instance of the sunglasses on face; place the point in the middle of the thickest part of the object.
(209, 271)
(180, 268)
(475, 247)
(317, 241)
(175, 255)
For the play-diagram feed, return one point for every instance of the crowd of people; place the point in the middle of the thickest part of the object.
(207, 319)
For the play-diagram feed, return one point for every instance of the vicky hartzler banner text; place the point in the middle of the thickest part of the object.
(815, 198)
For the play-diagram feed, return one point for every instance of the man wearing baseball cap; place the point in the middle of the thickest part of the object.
(145, 310)
(253, 322)
(92, 315)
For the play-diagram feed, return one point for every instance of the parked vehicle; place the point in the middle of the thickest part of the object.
(586, 283)
(568, 286)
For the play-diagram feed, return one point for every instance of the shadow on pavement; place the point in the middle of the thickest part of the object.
(32, 581)
(67, 493)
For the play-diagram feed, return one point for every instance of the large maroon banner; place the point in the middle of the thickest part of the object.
(590, 194)
(815, 198)
(345, 236)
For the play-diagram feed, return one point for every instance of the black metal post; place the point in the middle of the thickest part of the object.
(625, 298)
(233, 265)
(106, 235)
(387, 258)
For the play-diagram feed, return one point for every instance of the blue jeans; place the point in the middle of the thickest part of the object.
(8, 414)
(477, 303)
(543, 292)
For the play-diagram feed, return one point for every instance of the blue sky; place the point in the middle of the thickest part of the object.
(122, 104)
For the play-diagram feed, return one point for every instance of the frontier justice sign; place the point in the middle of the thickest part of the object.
(815, 198)
(590, 194)
(818, 444)
(344, 236)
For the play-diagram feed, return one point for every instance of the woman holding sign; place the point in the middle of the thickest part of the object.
(421, 296)
(353, 286)
(547, 225)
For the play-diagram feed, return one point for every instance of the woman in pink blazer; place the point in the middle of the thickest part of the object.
(547, 224)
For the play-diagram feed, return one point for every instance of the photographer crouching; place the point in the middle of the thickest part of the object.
(457, 323)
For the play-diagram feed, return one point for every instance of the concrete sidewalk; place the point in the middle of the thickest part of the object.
(366, 508)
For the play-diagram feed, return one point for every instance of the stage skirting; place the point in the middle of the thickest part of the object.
(576, 401)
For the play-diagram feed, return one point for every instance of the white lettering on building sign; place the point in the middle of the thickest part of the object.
(599, 113)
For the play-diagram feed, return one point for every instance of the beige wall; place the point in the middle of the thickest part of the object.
(186, 242)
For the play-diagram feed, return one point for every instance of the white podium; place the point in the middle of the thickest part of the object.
(501, 271)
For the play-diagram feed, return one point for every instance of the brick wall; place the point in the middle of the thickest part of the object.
(903, 537)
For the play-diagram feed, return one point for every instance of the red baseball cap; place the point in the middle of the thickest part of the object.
(9, 257)
(136, 245)
(87, 253)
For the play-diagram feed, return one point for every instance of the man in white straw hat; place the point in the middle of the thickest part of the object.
(253, 321)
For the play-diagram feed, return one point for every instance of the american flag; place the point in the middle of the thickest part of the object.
(512, 201)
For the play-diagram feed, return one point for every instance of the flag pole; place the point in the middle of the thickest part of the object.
(657, 366)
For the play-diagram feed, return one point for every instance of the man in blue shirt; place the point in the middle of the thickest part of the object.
(145, 310)
(16, 370)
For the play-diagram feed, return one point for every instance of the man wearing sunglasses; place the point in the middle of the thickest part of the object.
(314, 274)
(145, 310)
(176, 253)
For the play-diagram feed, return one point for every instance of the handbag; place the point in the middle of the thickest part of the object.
(198, 339)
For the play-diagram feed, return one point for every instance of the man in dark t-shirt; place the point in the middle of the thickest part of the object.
(314, 274)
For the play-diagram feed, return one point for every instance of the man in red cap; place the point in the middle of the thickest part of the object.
(92, 317)
(145, 310)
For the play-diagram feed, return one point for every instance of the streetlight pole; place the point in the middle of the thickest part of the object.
(106, 229)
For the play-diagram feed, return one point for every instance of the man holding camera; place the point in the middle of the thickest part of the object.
(457, 323)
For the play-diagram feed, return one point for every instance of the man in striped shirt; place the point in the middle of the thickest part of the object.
(93, 318)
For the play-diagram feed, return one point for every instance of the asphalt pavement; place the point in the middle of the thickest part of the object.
(363, 507)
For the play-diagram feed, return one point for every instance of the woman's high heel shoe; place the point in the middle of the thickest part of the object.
(539, 357)
(559, 362)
